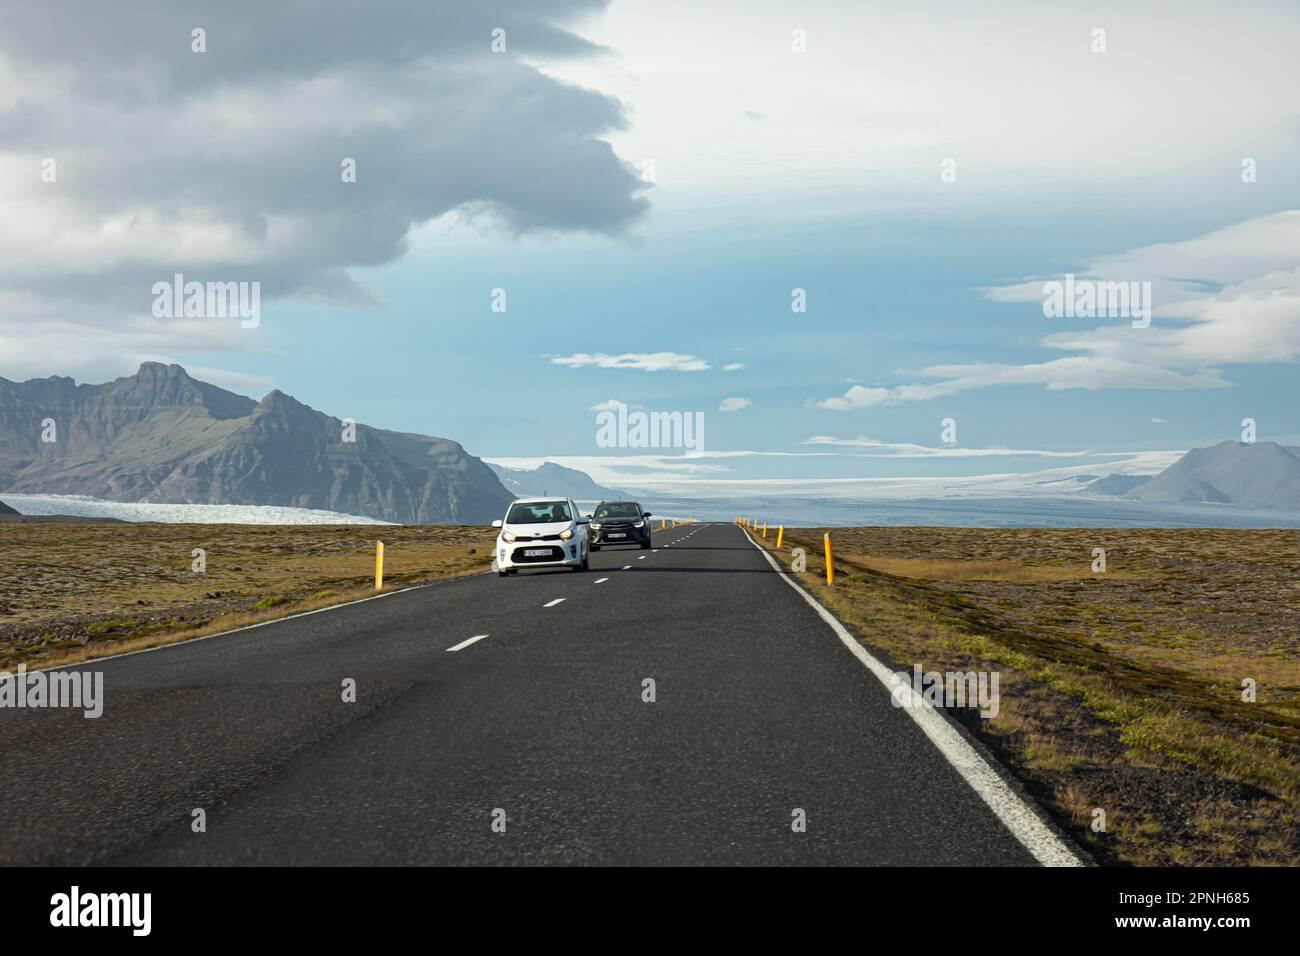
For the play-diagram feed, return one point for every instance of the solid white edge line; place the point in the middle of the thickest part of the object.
(464, 644)
(1018, 817)
(553, 603)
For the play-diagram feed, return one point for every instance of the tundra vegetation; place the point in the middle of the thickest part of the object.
(73, 592)
(1127, 690)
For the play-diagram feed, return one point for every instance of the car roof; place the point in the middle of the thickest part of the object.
(533, 501)
(620, 502)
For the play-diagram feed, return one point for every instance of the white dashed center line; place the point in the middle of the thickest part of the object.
(553, 603)
(627, 567)
(602, 580)
(643, 557)
(464, 644)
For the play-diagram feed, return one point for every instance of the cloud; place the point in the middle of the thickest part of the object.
(255, 386)
(669, 474)
(733, 366)
(1229, 297)
(644, 361)
(1160, 421)
(1082, 372)
(860, 396)
(226, 165)
(734, 404)
(611, 469)
(882, 449)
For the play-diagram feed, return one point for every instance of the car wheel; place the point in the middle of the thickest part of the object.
(502, 574)
(645, 545)
(595, 547)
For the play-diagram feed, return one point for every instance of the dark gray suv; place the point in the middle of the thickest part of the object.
(619, 522)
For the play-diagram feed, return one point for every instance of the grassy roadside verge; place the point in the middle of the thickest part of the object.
(1121, 690)
(73, 592)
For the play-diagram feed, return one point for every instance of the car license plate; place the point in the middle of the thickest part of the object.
(537, 552)
(618, 534)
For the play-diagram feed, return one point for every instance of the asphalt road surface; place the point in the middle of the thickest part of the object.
(761, 714)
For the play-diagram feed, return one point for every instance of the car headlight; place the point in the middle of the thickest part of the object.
(595, 526)
(507, 537)
(638, 524)
(566, 534)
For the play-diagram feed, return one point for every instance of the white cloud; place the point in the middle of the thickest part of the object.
(227, 166)
(734, 404)
(674, 475)
(881, 449)
(860, 396)
(1229, 297)
(733, 367)
(644, 361)
(855, 152)
(253, 385)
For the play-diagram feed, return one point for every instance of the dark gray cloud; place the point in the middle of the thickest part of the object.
(226, 164)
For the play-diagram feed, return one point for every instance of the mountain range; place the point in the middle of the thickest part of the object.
(1258, 474)
(552, 479)
(161, 436)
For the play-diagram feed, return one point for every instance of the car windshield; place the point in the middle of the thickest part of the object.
(618, 509)
(538, 512)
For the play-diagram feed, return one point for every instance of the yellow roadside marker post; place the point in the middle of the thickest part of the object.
(764, 529)
(780, 533)
(379, 565)
(830, 564)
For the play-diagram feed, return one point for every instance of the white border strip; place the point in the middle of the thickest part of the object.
(1018, 817)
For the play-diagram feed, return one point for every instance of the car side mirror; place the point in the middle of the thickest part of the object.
(584, 521)
(645, 514)
(497, 523)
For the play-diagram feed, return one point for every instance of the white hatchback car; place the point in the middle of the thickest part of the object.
(541, 533)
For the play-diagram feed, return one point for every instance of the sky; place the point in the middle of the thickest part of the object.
(644, 187)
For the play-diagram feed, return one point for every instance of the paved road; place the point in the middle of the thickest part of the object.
(760, 711)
